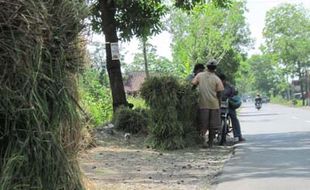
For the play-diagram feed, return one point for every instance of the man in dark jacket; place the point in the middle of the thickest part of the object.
(229, 92)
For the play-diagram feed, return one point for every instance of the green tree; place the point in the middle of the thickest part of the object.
(156, 63)
(130, 18)
(97, 55)
(98, 63)
(267, 73)
(245, 78)
(287, 34)
(95, 97)
(207, 32)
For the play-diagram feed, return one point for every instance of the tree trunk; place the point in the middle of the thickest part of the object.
(301, 83)
(307, 87)
(145, 59)
(108, 24)
(288, 90)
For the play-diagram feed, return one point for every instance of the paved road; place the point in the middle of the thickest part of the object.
(276, 155)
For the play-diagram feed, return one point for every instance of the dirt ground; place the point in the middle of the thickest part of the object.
(120, 164)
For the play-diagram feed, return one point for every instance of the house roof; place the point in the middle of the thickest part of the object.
(134, 81)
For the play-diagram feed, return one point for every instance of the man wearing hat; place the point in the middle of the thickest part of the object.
(210, 87)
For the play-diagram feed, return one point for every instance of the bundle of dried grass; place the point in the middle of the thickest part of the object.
(39, 122)
(173, 107)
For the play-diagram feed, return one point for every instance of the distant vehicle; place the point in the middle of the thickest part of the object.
(246, 98)
(265, 99)
(297, 96)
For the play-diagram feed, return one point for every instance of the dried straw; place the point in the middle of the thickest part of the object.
(39, 122)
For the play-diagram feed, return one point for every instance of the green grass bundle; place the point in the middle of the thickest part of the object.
(187, 109)
(40, 54)
(172, 112)
(131, 120)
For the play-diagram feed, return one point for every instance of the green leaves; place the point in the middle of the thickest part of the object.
(208, 32)
(287, 34)
(95, 98)
(156, 64)
(190, 4)
(268, 75)
(140, 18)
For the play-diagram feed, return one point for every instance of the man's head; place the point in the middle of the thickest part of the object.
(198, 68)
(211, 65)
(236, 92)
(222, 77)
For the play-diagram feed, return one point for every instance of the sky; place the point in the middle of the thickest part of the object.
(257, 10)
(255, 18)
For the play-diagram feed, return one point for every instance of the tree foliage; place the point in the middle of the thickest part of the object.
(95, 97)
(190, 4)
(268, 75)
(157, 64)
(208, 32)
(97, 55)
(245, 78)
(98, 63)
(287, 35)
(140, 18)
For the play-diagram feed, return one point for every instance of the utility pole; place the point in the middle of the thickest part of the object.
(307, 88)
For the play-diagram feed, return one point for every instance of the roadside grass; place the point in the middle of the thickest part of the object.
(282, 101)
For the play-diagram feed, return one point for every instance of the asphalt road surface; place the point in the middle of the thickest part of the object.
(276, 154)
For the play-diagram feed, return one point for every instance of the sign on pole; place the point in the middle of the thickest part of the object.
(114, 51)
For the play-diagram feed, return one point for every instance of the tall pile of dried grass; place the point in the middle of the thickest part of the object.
(173, 107)
(39, 122)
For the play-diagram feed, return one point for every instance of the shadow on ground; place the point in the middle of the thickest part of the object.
(271, 155)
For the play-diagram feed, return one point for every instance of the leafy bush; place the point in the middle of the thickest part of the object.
(96, 99)
(283, 101)
(279, 100)
(131, 120)
(172, 112)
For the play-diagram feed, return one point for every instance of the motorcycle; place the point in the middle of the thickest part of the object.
(226, 126)
(258, 105)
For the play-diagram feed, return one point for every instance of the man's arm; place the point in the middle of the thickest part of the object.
(219, 97)
(233, 91)
(219, 90)
(195, 80)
